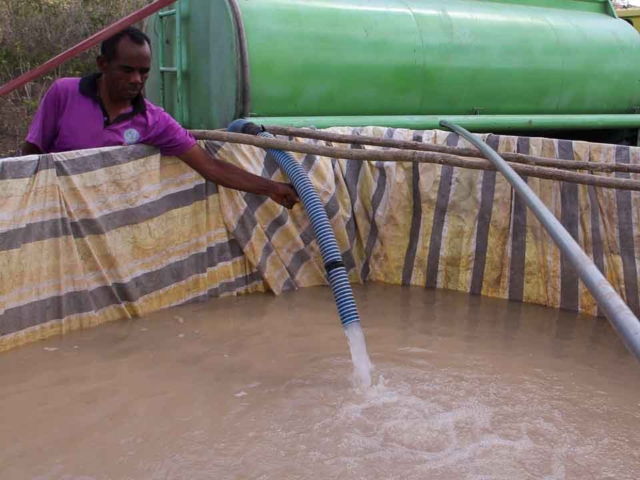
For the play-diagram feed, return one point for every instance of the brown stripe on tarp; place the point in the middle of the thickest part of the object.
(228, 287)
(276, 224)
(48, 229)
(376, 200)
(389, 135)
(254, 202)
(300, 257)
(351, 178)
(289, 285)
(74, 166)
(349, 260)
(73, 303)
(596, 238)
(310, 159)
(24, 168)
(518, 236)
(372, 239)
(487, 193)
(626, 234)
(439, 216)
(308, 162)
(569, 283)
(247, 222)
(416, 219)
(307, 235)
(267, 251)
(332, 207)
(34, 232)
(245, 225)
(223, 252)
(213, 146)
(102, 160)
(270, 166)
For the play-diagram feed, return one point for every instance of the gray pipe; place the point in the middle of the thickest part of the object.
(618, 313)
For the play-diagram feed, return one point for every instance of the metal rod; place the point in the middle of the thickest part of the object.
(168, 69)
(161, 66)
(83, 46)
(167, 13)
(463, 152)
(183, 46)
(415, 157)
(178, 63)
(616, 310)
(476, 123)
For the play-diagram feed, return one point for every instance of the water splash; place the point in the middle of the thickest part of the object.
(362, 366)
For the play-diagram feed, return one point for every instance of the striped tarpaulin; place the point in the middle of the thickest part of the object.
(89, 237)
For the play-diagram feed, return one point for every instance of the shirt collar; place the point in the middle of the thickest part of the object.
(89, 88)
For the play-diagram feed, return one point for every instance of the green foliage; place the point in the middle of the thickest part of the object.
(34, 31)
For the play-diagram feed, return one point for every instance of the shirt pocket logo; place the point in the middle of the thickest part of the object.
(131, 136)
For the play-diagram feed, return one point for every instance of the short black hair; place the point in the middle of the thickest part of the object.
(109, 47)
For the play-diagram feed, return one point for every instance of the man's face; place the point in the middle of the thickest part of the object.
(127, 73)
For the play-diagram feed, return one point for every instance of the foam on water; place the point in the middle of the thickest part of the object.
(412, 424)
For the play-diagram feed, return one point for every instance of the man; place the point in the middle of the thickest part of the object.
(108, 109)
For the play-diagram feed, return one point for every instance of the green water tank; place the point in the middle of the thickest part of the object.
(310, 58)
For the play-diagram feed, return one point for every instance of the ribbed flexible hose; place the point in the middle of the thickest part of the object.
(336, 271)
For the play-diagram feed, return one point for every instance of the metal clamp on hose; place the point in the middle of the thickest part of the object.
(333, 265)
(248, 128)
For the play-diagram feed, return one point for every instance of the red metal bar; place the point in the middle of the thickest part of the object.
(84, 46)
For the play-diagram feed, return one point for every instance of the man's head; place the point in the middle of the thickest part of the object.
(125, 61)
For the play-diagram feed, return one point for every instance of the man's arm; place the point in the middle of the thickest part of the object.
(31, 149)
(230, 176)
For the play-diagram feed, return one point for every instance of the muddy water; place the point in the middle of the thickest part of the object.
(260, 388)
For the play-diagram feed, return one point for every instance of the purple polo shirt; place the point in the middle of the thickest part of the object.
(71, 116)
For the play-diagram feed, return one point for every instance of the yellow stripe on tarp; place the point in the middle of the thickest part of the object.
(175, 294)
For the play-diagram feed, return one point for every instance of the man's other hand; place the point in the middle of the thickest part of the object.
(284, 194)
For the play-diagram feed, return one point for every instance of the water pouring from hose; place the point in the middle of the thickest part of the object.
(333, 263)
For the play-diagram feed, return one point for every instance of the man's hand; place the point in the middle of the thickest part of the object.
(230, 176)
(284, 194)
